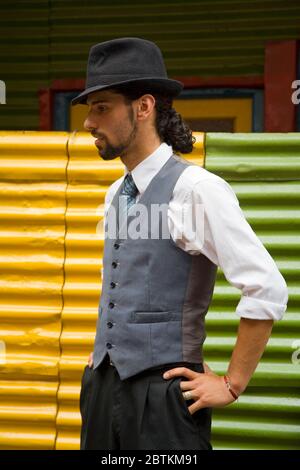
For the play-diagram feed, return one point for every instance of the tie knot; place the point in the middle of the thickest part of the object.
(129, 186)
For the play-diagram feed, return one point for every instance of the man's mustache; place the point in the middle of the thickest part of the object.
(97, 136)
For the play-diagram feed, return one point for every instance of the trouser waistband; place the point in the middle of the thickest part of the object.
(198, 367)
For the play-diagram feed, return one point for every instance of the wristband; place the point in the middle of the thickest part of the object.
(228, 385)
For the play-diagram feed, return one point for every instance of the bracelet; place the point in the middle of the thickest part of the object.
(228, 385)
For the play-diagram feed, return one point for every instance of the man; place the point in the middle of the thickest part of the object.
(146, 386)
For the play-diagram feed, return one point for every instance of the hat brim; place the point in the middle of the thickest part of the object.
(165, 85)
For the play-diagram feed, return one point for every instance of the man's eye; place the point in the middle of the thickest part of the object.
(102, 108)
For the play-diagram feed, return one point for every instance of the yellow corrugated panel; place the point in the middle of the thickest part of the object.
(88, 179)
(32, 231)
(52, 188)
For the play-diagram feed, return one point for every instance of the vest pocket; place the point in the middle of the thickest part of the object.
(154, 317)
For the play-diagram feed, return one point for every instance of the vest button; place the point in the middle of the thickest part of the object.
(116, 246)
(108, 345)
(113, 285)
(110, 324)
(114, 264)
(111, 305)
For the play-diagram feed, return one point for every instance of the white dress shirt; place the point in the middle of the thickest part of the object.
(224, 237)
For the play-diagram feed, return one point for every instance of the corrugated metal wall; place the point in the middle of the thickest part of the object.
(52, 187)
(24, 60)
(88, 180)
(32, 253)
(264, 171)
(43, 40)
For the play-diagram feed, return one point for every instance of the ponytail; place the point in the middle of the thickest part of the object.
(171, 128)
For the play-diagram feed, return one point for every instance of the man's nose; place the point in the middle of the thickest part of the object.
(89, 125)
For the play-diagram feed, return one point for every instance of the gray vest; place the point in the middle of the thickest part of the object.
(154, 295)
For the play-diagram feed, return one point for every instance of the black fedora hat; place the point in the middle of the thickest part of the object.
(132, 61)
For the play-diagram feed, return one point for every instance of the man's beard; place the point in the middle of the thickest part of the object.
(110, 152)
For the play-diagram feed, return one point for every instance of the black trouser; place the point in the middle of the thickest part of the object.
(142, 412)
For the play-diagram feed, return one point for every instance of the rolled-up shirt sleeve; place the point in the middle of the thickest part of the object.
(230, 243)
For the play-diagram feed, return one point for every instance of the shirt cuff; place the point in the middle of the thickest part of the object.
(257, 309)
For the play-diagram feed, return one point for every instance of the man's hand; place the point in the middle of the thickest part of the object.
(207, 389)
(90, 361)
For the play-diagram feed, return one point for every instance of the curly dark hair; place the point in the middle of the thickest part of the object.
(170, 125)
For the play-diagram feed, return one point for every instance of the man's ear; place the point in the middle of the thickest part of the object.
(145, 106)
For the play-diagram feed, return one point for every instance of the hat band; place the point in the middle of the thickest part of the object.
(98, 80)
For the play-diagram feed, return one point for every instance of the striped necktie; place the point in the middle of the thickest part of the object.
(127, 197)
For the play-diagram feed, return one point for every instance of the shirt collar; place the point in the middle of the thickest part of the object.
(143, 173)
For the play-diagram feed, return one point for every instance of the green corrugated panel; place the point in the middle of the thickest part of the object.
(24, 60)
(263, 170)
(204, 38)
(42, 40)
(248, 157)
